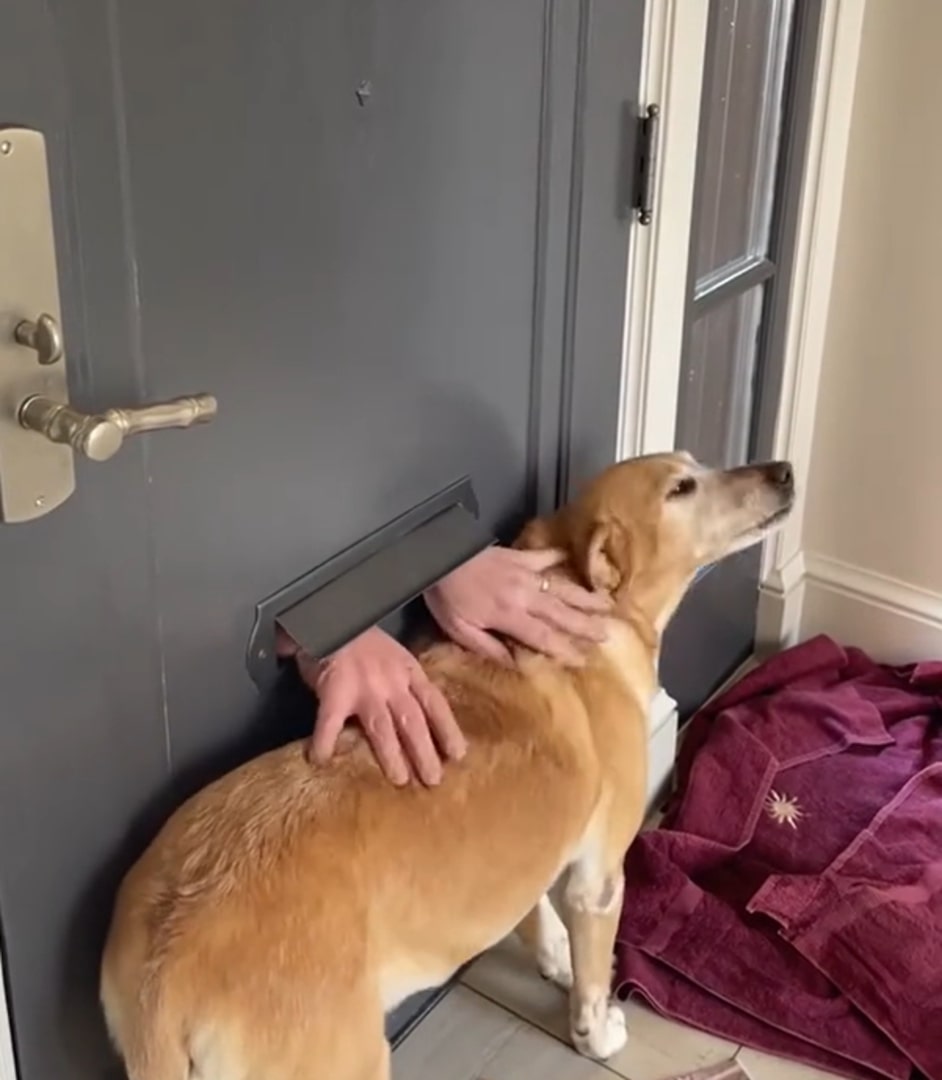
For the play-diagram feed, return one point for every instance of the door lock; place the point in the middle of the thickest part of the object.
(40, 432)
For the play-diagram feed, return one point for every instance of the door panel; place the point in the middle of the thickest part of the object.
(753, 131)
(363, 348)
(358, 224)
(714, 409)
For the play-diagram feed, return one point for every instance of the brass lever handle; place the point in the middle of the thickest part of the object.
(100, 437)
(43, 335)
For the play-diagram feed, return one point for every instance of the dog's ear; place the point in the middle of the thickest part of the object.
(608, 556)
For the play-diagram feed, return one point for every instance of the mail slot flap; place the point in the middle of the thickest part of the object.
(370, 580)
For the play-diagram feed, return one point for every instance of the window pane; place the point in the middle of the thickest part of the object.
(741, 126)
(714, 412)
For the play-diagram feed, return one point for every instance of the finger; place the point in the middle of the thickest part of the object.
(334, 710)
(477, 641)
(584, 599)
(570, 620)
(542, 637)
(442, 722)
(285, 645)
(384, 739)
(309, 669)
(416, 740)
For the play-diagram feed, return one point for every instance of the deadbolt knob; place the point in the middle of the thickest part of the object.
(43, 336)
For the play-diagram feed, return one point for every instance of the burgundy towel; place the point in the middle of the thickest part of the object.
(792, 899)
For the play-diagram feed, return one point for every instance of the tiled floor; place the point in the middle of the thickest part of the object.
(506, 1023)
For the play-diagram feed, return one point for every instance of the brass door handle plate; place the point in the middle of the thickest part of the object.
(36, 475)
(100, 437)
(40, 431)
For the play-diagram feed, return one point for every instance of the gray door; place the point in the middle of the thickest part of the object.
(753, 131)
(390, 237)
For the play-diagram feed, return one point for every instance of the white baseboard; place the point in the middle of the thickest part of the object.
(893, 621)
(778, 617)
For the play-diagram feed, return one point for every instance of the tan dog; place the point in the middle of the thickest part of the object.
(285, 908)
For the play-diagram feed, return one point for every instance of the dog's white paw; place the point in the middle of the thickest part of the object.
(600, 1029)
(555, 960)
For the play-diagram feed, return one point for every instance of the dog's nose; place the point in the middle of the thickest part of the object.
(781, 474)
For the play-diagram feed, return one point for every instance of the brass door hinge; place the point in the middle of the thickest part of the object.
(646, 164)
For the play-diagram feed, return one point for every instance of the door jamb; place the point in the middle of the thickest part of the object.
(7, 1058)
(672, 77)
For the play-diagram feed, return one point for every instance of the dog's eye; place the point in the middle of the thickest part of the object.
(685, 486)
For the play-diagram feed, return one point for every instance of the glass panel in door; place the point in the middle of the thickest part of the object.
(716, 392)
(740, 134)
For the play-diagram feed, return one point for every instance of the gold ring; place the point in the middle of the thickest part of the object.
(544, 584)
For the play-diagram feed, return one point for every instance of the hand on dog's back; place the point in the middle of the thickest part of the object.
(405, 717)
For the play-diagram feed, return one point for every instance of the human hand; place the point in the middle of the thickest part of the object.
(407, 720)
(507, 591)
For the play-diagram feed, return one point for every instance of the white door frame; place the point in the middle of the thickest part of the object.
(7, 1061)
(672, 75)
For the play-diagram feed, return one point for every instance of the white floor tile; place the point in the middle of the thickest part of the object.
(657, 1048)
(466, 1037)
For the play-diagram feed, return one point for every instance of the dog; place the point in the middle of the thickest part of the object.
(283, 910)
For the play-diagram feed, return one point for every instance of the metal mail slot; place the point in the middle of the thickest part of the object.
(368, 581)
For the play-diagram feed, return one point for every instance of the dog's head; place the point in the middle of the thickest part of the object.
(642, 528)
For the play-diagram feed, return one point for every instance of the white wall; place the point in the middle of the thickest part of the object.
(872, 534)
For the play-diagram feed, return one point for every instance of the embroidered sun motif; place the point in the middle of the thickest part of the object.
(783, 809)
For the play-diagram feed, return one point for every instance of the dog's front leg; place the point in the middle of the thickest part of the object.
(592, 901)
